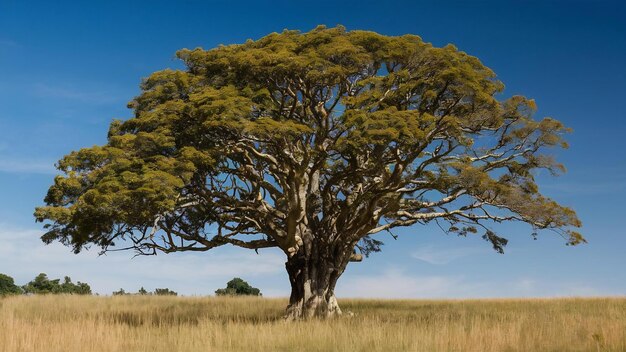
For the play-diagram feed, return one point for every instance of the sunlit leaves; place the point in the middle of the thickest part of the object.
(333, 131)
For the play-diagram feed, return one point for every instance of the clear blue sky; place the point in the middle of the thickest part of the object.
(67, 68)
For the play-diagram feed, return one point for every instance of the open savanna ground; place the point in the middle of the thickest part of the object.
(149, 323)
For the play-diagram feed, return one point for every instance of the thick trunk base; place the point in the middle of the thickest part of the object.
(313, 307)
(312, 289)
(313, 273)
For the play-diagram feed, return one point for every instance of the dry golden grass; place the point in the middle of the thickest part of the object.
(99, 324)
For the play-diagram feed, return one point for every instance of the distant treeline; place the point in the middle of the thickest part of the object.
(41, 284)
(143, 292)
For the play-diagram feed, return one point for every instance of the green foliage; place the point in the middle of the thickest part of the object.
(238, 287)
(42, 285)
(329, 136)
(143, 292)
(120, 292)
(165, 292)
(8, 287)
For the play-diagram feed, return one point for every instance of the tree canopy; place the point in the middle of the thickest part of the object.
(238, 287)
(313, 143)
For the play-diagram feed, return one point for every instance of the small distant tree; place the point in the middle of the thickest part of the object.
(164, 292)
(238, 287)
(79, 288)
(83, 288)
(41, 284)
(121, 292)
(8, 286)
(142, 291)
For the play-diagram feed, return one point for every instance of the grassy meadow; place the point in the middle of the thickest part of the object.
(155, 324)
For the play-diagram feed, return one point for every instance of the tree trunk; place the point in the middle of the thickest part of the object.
(313, 278)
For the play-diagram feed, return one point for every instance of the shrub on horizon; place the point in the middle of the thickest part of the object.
(238, 287)
(164, 292)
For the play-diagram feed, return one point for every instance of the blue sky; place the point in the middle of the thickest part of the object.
(68, 68)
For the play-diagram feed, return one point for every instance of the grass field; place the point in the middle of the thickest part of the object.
(136, 323)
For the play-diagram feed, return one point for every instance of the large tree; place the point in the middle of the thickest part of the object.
(312, 143)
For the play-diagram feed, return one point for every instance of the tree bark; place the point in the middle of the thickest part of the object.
(313, 276)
